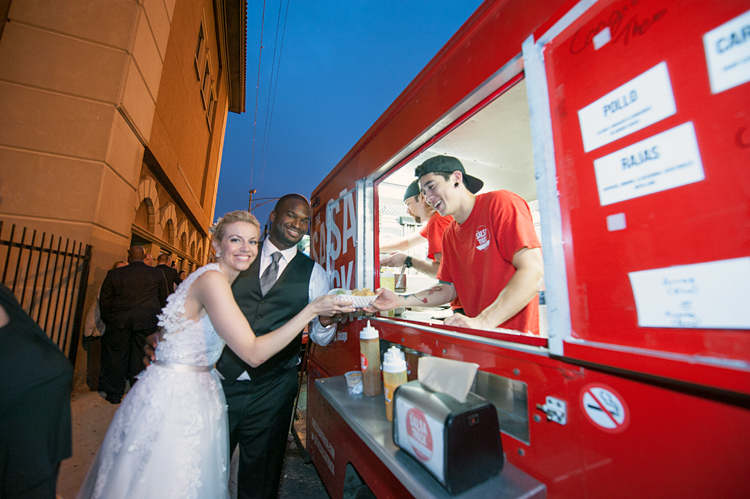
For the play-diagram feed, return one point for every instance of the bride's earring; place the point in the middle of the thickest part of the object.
(218, 253)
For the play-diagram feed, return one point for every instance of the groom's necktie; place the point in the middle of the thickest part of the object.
(270, 274)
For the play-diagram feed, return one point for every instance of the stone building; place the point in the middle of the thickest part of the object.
(112, 121)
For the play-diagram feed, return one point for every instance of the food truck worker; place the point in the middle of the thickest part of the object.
(432, 233)
(492, 259)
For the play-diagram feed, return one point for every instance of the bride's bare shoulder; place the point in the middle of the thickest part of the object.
(211, 280)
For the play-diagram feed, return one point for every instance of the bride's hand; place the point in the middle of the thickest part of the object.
(328, 305)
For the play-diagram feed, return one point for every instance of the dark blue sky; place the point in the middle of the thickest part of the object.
(343, 62)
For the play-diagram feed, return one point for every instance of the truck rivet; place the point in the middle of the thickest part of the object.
(516, 372)
(521, 452)
(537, 418)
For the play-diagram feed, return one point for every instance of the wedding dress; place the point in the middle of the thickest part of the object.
(169, 437)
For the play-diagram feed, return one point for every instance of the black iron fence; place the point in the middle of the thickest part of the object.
(49, 278)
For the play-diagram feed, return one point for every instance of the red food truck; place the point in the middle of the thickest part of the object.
(626, 127)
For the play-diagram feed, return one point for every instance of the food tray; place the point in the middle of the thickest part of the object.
(357, 301)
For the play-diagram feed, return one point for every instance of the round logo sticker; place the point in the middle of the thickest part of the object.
(605, 408)
(363, 361)
(419, 434)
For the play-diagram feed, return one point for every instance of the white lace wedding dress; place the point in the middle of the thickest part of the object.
(169, 438)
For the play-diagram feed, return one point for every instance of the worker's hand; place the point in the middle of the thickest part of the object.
(461, 320)
(386, 300)
(395, 259)
(150, 348)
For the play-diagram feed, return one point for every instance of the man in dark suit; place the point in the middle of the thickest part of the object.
(170, 273)
(277, 286)
(129, 301)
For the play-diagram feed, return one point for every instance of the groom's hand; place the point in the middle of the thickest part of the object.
(150, 349)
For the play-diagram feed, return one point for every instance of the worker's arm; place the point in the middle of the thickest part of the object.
(425, 266)
(441, 293)
(519, 291)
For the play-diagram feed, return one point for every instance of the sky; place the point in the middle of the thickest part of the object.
(341, 64)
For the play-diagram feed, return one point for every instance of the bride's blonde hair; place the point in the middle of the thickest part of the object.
(220, 227)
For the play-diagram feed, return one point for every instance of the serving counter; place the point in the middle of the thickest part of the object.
(366, 417)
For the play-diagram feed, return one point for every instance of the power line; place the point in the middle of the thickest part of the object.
(273, 102)
(268, 101)
(257, 88)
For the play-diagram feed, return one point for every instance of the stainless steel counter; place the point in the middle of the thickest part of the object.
(366, 416)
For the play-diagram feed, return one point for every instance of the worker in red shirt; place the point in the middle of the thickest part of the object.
(491, 260)
(432, 233)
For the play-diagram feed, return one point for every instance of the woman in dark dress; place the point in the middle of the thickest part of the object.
(35, 425)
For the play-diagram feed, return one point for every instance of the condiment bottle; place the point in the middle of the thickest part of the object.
(369, 353)
(394, 375)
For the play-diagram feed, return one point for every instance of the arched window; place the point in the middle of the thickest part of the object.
(170, 232)
(144, 217)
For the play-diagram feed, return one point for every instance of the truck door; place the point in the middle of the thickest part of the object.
(641, 127)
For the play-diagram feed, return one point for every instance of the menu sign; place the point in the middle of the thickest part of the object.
(652, 183)
(728, 53)
(643, 101)
(704, 295)
(664, 161)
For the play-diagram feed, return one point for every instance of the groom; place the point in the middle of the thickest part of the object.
(277, 286)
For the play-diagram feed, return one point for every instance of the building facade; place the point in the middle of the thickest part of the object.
(112, 122)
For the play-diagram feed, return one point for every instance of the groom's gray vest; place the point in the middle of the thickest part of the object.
(288, 296)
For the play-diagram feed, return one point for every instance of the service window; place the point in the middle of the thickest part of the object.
(493, 143)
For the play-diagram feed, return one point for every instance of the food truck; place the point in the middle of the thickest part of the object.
(625, 125)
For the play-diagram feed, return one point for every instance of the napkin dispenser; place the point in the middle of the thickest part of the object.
(458, 443)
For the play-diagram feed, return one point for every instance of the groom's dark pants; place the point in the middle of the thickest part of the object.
(260, 411)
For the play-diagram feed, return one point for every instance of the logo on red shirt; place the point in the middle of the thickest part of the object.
(483, 238)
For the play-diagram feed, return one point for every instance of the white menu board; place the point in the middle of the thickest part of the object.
(728, 53)
(711, 295)
(666, 160)
(643, 101)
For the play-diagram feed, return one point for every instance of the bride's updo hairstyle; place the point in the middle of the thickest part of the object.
(220, 227)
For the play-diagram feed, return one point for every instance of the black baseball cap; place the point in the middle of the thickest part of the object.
(412, 190)
(449, 164)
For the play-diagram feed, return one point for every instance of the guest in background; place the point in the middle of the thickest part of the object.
(93, 329)
(170, 273)
(129, 301)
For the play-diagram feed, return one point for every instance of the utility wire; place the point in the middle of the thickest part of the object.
(270, 88)
(273, 102)
(257, 88)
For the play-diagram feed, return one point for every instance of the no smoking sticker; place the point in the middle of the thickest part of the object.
(605, 408)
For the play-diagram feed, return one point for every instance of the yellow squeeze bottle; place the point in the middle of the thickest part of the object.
(394, 375)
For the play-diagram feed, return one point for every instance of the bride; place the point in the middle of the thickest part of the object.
(169, 437)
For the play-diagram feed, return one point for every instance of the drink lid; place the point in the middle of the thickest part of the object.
(369, 333)
(393, 360)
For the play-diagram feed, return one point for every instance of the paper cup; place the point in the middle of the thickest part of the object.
(354, 382)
